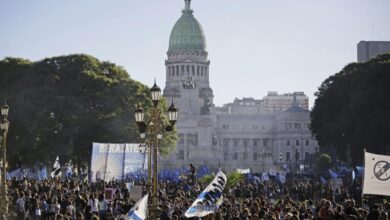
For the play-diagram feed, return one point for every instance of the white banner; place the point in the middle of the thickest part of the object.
(210, 199)
(116, 161)
(376, 174)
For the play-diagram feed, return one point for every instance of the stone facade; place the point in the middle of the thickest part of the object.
(248, 133)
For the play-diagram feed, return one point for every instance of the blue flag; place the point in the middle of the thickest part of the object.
(139, 210)
(333, 175)
(323, 180)
(42, 174)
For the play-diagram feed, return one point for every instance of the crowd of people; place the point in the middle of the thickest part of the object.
(297, 198)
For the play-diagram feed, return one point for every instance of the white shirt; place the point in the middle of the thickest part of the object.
(94, 205)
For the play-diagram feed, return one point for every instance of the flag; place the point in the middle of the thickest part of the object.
(257, 179)
(353, 175)
(42, 174)
(360, 171)
(376, 174)
(264, 176)
(272, 172)
(333, 175)
(323, 180)
(139, 210)
(210, 199)
(56, 171)
(15, 174)
(243, 171)
(282, 177)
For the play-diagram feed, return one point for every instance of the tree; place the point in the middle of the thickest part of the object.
(352, 110)
(60, 105)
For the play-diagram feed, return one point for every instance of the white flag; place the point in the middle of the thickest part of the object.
(376, 174)
(210, 199)
(243, 171)
(56, 171)
(139, 210)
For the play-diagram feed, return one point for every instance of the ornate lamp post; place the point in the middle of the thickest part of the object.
(4, 125)
(152, 131)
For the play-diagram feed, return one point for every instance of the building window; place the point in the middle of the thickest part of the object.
(192, 139)
(254, 156)
(245, 143)
(245, 155)
(297, 125)
(288, 156)
(307, 142)
(226, 155)
(235, 142)
(297, 156)
(181, 155)
(235, 156)
(306, 155)
(255, 143)
(288, 125)
(225, 126)
(265, 142)
(181, 139)
(297, 142)
(225, 142)
(288, 142)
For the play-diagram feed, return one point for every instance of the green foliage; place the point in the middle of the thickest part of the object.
(60, 105)
(233, 179)
(352, 110)
(323, 163)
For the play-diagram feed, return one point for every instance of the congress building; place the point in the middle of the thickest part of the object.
(261, 134)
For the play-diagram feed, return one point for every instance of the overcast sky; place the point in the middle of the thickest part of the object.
(254, 46)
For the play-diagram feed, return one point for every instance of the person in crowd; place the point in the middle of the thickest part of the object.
(297, 198)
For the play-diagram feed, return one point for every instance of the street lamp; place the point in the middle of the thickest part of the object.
(4, 125)
(151, 132)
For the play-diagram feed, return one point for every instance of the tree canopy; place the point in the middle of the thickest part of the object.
(60, 105)
(352, 110)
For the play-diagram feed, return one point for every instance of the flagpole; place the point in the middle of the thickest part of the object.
(105, 168)
(123, 161)
(364, 167)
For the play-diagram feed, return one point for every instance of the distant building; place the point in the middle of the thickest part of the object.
(274, 102)
(260, 134)
(367, 50)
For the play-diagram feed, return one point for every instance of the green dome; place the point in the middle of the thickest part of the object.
(187, 34)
